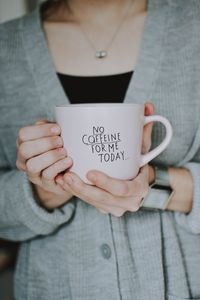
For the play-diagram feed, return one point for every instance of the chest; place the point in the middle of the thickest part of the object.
(73, 48)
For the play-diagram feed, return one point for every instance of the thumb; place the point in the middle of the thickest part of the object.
(146, 143)
(149, 109)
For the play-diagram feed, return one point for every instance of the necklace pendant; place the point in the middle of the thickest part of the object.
(101, 54)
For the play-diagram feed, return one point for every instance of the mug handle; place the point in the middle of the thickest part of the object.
(155, 152)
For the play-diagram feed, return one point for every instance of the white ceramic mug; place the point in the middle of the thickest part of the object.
(107, 137)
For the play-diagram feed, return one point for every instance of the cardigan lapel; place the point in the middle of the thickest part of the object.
(146, 71)
(41, 65)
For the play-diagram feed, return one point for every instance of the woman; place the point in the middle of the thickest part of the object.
(98, 242)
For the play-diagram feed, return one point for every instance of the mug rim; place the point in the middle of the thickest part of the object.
(102, 104)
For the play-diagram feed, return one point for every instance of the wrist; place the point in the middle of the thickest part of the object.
(50, 200)
(161, 191)
(151, 174)
(182, 183)
(41, 195)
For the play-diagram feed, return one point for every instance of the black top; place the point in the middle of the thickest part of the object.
(109, 88)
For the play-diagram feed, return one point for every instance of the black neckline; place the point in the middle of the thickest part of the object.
(129, 73)
(82, 89)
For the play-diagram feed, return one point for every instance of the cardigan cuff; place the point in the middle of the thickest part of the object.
(191, 221)
(36, 218)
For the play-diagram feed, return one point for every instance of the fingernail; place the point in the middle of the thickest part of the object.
(59, 142)
(55, 129)
(62, 151)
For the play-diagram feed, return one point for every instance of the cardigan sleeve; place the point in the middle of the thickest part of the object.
(21, 218)
(191, 221)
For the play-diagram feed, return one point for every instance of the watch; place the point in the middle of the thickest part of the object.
(160, 192)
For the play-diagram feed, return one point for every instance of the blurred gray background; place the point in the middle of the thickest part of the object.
(10, 9)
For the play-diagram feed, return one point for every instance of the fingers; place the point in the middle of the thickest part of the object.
(42, 156)
(35, 165)
(149, 109)
(90, 194)
(119, 188)
(39, 122)
(147, 131)
(21, 166)
(36, 147)
(114, 186)
(60, 166)
(35, 140)
(99, 197)
(86, 192)
(37, 131)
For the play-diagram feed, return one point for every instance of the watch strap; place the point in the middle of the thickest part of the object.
(161, 177)
(160, 192)
(157, 198)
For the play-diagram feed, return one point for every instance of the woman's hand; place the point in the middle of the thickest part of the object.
(42, 156)
(111, 195)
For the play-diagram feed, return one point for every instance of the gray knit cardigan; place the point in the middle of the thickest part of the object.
(75, 252)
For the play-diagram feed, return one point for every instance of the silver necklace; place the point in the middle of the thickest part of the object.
(103, 53)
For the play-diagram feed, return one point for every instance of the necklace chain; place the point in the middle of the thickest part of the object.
(104, 51)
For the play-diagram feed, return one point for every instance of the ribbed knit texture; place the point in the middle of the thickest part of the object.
(75, 252)
(191, 221)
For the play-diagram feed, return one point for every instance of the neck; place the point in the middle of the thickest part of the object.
(98, 10)
(97, 6)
